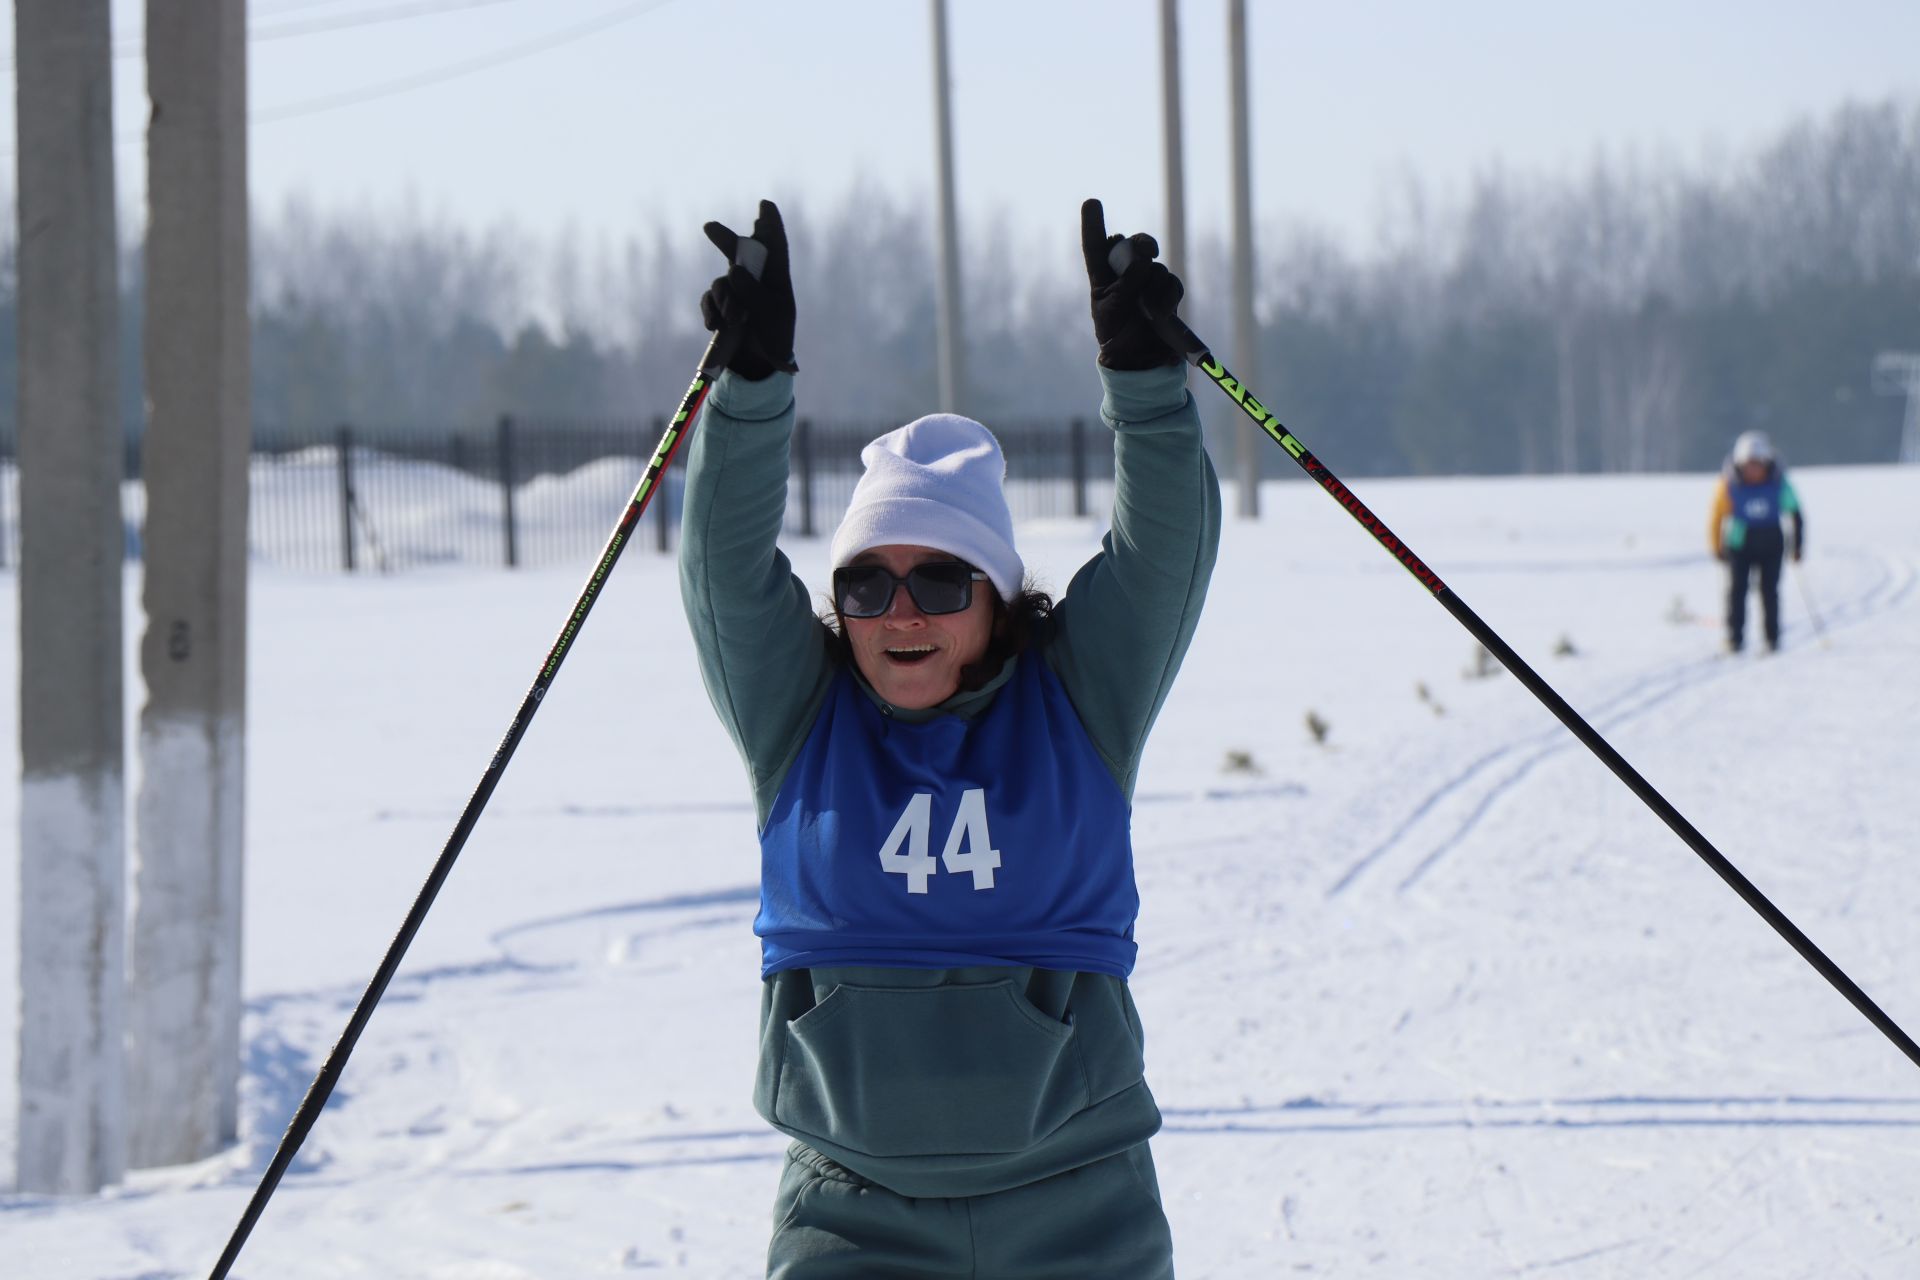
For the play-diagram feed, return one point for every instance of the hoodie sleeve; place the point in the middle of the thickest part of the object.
(1790, 507)
(1127, 617)
(1717, 519)
(762, 652)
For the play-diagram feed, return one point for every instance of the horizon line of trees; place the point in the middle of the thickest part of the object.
(1633, 317)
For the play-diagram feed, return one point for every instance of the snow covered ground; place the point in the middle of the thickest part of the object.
(1435, 996)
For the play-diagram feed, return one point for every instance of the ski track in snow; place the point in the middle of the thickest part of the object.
(1312, 1115)
(1488, 779)
(558, 1084)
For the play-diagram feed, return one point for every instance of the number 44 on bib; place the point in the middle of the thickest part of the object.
(904, 851)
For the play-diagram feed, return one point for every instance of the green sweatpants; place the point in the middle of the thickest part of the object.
(1102, 1219)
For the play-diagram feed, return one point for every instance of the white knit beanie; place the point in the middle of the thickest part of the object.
(1753, 446)
(937, 482)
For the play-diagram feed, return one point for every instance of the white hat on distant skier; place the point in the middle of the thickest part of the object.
(1752, 446)
(940, 482)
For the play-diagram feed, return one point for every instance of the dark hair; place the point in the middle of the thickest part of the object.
(1019, 625)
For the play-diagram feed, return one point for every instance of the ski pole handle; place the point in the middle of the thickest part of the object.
(750, 255)
(1172, 329)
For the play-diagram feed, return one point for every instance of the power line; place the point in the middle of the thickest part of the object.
(455, 70)
(289, 6)
(367, 18)
(134, 45)
(439, 75)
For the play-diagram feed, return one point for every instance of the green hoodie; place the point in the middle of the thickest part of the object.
(951, 1082)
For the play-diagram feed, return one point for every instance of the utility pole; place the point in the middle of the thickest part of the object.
(1246, 345)
(183, 1017)
(952, 364)
(1174, 245)
(1897, 373)
(72, 1135)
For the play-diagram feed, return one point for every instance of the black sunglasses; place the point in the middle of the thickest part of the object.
(943, 586)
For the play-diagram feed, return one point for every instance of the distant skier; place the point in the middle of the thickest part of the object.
(942, 768)
(1750, 508)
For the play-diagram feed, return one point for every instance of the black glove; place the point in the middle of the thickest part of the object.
(1126, 336)
(761, 310)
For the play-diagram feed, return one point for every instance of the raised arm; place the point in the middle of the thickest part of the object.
(1717, 519)
(762, 653)
(1790, 508)
(1128, 615)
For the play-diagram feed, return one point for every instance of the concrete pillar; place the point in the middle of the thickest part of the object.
(184, 972)
(72, 1135)
(1173, 241)
(1248, 445)
(952, 362)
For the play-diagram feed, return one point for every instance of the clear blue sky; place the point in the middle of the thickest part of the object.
(677, 110)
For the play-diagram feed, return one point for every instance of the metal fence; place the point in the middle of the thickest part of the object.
(530, 493)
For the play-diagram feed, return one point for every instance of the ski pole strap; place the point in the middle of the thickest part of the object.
(1172, 329)
(1183, 339)
(752, 255)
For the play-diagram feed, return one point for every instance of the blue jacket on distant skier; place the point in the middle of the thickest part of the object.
(1754, 505)
(1754, 494)
(1761, 503)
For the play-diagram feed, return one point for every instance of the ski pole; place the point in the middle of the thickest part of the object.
(1806, 598)
(1182, 339)
(750, 254)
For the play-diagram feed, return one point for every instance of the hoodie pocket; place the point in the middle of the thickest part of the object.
(923, 1071)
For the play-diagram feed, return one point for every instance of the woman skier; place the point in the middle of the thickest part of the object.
(1750, 506)
(942, 768)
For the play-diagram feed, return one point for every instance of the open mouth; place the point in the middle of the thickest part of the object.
(908, 655)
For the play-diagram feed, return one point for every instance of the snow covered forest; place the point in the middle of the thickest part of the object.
(1631, 317)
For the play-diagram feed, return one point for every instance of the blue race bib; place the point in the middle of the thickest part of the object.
(1001, 840)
